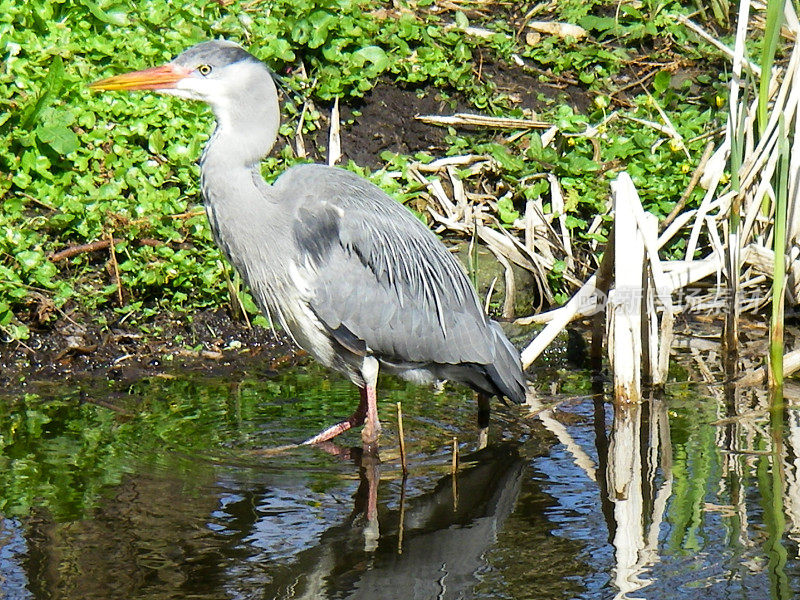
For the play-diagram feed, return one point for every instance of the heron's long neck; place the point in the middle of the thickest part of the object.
(236, 147)
(247, 127)
(236, 197)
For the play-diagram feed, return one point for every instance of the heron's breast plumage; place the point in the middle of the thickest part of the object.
(253, 230)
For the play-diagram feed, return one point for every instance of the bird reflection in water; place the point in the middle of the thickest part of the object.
(365, 506)
(430, 546)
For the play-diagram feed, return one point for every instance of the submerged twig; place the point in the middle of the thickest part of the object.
(401, 433)
(109, 406)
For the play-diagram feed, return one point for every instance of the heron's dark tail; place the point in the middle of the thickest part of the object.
(506, 371)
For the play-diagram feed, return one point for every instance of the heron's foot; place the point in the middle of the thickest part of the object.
(354, 420)
(329, 433)
(483, 438)
(371, 433)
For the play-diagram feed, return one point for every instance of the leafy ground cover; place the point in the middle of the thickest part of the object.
(77, 167)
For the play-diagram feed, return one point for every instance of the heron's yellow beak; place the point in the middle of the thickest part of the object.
(156, 78)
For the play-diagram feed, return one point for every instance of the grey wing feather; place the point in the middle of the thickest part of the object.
(385, 278)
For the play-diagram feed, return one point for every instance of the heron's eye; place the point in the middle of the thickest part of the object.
(204, 69)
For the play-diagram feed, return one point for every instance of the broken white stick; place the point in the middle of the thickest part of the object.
(624, 306)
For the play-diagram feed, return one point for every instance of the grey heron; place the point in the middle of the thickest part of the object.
(353, 276)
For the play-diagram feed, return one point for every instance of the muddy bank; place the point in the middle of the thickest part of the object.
(76, 347)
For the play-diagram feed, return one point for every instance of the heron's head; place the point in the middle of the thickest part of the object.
(237, 86)
(218, 72)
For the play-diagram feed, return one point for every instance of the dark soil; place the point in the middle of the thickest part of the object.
(76, 348)
(387, 122)
(524, 87)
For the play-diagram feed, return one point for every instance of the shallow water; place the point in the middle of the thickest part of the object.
(159, 490)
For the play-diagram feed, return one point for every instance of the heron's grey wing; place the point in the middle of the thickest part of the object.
(379, 278)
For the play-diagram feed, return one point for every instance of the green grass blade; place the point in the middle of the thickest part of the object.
(772, 32)
(779, 278)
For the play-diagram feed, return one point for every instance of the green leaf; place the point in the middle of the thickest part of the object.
(581, 164)
(61, 139)
(375, 55)
(508, 161)
(320, 21)
(29, 259)
(18, 332)
(598, 23)
(112, 17)
(772, 34)
(5, 313)
(661, 81)
(248, 303)
(260, 321)
(631, 11)
(50, 90)
(505, 208)
(156, 142)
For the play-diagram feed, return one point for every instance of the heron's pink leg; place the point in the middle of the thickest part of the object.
(371, 472)
(354, 420)
(371, 431)
(367, 409)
